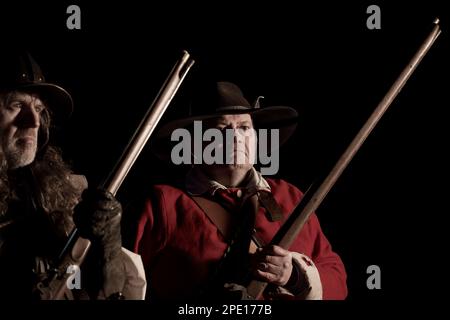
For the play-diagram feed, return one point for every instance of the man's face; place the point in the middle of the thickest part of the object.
(19, 123)
(244, 140)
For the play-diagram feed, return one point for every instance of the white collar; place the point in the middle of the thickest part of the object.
(197, 183)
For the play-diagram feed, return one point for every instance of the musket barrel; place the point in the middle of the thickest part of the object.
(324, 187)
(76, 248)
(148, 124)
(315, 195)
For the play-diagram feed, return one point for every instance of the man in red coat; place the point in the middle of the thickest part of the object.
(216, 229)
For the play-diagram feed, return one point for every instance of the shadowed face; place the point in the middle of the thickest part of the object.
(242, 148)
(20, 115)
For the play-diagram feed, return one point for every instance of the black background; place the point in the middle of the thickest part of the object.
(387, 209)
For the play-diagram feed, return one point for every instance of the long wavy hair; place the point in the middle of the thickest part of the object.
(46, 180)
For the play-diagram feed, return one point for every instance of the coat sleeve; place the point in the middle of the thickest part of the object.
(152, 231)
(331, 269)
(312, 243)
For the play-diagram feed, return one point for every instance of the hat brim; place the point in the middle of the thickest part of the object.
(57, 99)
(275, 117)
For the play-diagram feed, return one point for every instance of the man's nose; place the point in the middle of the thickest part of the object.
(241, 135)
(29, 118)
(237, 135)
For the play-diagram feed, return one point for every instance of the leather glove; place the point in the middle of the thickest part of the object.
(98, 218)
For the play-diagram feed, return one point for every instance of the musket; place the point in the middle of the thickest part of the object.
(317, 192)
(77, 247)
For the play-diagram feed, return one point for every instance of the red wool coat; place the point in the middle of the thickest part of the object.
(179, 244)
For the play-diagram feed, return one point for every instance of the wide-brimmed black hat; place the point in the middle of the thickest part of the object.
(19, 71)
(223, 99)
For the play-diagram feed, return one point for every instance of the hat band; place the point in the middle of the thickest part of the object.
(233, 108)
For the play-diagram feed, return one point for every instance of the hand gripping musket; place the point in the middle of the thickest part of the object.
(77, 247)
(315, 195)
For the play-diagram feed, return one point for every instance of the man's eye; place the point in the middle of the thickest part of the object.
(16, 105)
(245, 128)
(39, 109)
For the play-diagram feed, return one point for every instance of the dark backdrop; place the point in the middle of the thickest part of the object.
(387, 209)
